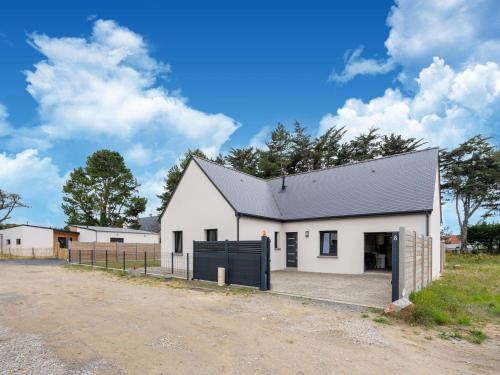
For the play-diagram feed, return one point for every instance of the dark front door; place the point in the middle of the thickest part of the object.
(291, 249)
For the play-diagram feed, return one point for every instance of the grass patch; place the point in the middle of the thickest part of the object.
(466, 296)
(381, 320)
(365, 315)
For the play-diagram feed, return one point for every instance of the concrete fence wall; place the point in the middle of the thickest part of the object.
(415, 261)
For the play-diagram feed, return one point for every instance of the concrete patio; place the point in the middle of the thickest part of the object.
(368, 289)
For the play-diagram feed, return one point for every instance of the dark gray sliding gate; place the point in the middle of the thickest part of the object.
(245, 262)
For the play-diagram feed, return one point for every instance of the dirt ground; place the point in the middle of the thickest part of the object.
(58, 321)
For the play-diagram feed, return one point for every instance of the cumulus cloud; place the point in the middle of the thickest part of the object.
(107, 84)
(448, 106)
(36, 179)
(139, 155)
(259, 139)
(460, 31)
(356, 65)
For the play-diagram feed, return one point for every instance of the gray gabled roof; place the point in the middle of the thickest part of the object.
(395, 184)
(150, 223)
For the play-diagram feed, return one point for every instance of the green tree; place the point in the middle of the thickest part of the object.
(243, 159)
(8, 203)
(395, 144)
(325, 148)
(299, 158)
(273, 161)
(103, 193)
(365, 146)
(471, 178)
(485, 235)
(174, 175)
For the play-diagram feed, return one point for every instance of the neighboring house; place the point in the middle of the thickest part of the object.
(90, 233)
(150, 223)
(24, 238)
(453, 243)
(336, 220)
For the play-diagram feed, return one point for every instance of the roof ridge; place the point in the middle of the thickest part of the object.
(229, 168)
(354, 163)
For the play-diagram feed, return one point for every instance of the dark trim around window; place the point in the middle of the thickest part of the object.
(211, 234)
(328, 243)
(178, 242)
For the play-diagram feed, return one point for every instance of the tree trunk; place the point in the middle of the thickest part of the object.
(463, 234)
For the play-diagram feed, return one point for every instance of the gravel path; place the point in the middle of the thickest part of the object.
(59, 321)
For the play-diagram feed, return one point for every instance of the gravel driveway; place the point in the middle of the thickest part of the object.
(55, 320)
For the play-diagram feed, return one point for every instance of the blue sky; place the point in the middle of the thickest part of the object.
(151, 80)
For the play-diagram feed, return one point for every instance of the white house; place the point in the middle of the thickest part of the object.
(336, 220)
(90, 233)
(25, 240)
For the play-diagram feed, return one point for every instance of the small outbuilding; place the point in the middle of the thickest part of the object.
(89, 233)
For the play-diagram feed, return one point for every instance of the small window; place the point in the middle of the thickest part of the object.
(116, 239)
(18, 241)
(178, 242)
(211, 234)
(276, 240)
(328, 243)
(8, 242)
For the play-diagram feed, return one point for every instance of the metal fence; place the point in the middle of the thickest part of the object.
(135, 262)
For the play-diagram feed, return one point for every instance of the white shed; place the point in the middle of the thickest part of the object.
(90, 233)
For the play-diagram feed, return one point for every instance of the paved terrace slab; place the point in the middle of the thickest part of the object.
(368, 289)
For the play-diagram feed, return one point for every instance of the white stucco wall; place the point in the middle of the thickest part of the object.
(251, 229)
(87, 235)
(31, 237)
(196, 206)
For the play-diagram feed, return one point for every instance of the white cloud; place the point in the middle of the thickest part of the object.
(36, 179)
(107, 85)
(448, 106)
(139, 155)
(5, 127)
(357, 65)
(459, 31)
(259, 139)
(151, 186)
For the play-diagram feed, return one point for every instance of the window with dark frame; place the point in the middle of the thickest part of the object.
(116, 239)
(178, 242)
(18, 241)
(276, 240)
(211, 234)
(328, 243)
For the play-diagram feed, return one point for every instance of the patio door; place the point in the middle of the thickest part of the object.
(291, 249)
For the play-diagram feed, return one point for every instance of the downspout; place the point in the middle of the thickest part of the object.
(427, 223)
(237, 226)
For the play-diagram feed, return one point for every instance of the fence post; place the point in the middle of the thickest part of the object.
(33, 252)
(92, 253)
(172, 265)
(136, 251)
(415, 263)
(123, 256)
(263, 263)
(187, 266)
(145, 263)
(106, 259)
(69, 256)
(226, 251)
(402, 292)
(154, 252)
(423, 262)
(80, 256)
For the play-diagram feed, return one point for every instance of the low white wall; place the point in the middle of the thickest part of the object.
(87, 235)
(31, 237)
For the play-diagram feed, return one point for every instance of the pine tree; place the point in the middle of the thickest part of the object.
(299, 159)
(243, 159)
(395, 144)
(273, 161)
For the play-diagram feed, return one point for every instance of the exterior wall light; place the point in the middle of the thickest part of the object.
(307, 233)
